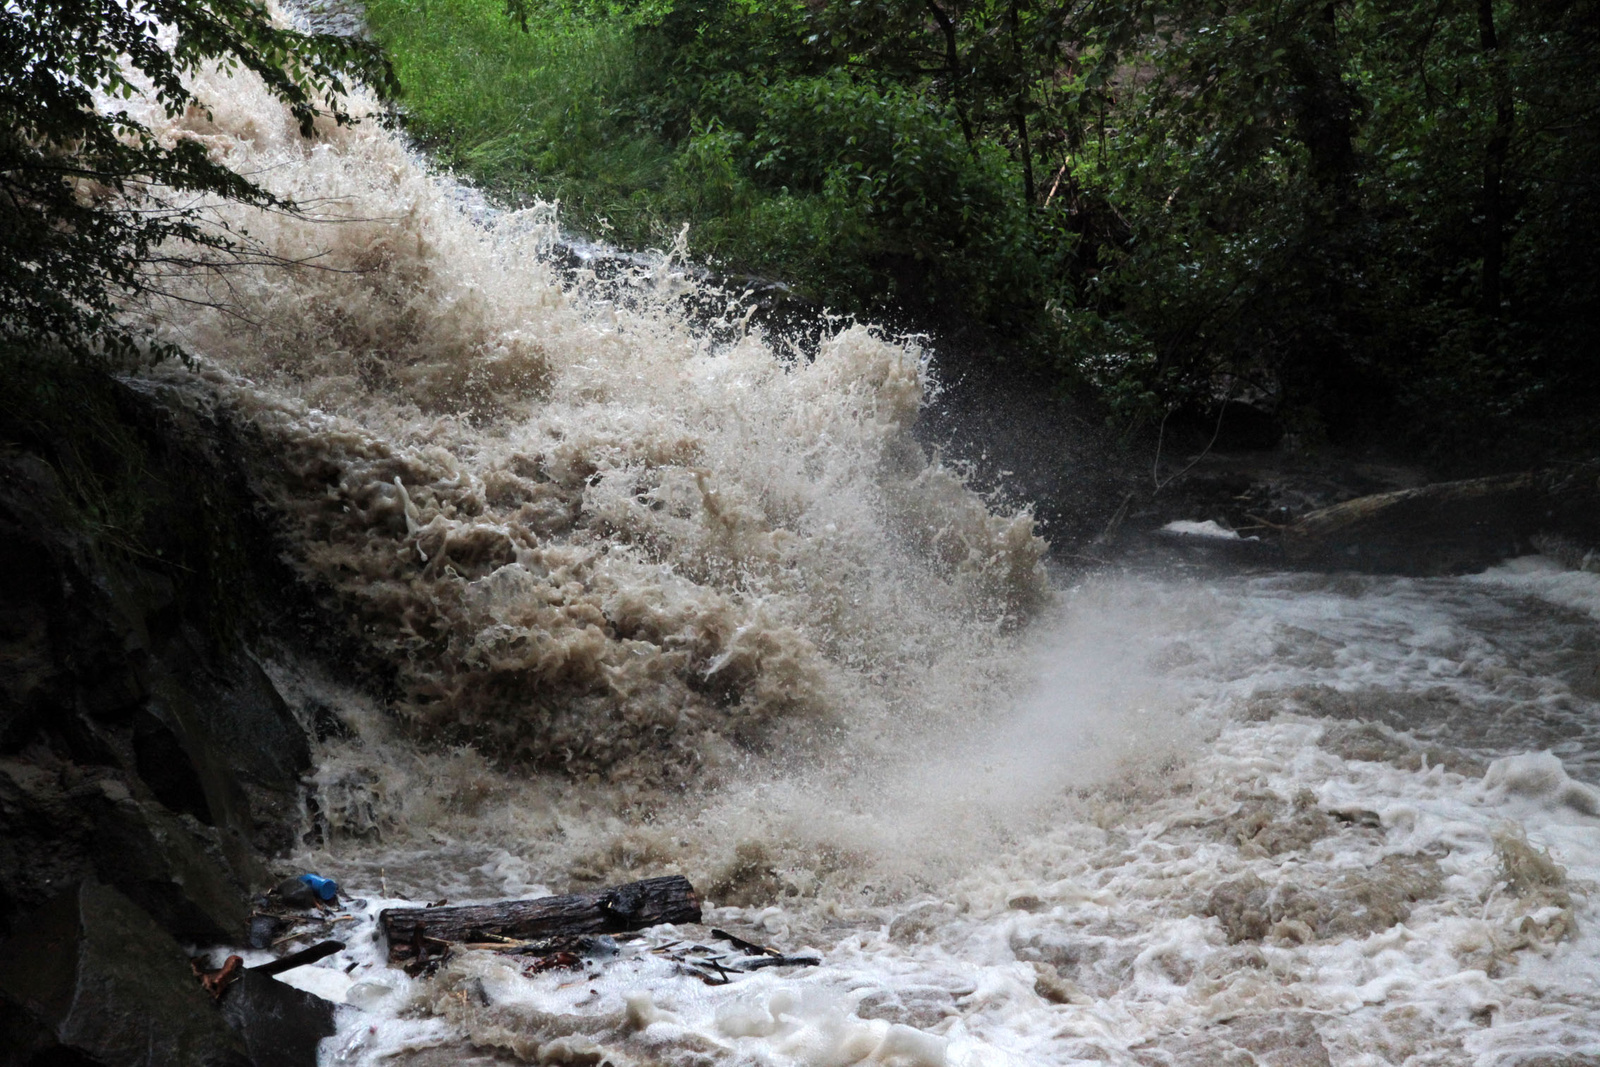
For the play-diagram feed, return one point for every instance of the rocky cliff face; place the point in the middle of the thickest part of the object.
(140, 742)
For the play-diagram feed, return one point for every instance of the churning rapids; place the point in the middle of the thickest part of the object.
(663, 595)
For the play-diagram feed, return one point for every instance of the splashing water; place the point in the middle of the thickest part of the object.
(591, 536)
(661, 594)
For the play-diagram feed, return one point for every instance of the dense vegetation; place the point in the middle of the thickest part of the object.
(1375, 217)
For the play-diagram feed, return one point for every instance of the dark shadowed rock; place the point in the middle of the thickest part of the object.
(281, 1025)
(1447, 528)
(174, 868)
(91, 980)
(140, 742)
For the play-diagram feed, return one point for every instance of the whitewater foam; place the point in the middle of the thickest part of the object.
(587, 534)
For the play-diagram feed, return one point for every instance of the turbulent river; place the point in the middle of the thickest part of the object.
(661, 594)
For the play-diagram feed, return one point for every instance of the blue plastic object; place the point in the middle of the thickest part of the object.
(324, 888)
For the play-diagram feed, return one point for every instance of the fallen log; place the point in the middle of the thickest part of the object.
(1447, 527)
(418, 932)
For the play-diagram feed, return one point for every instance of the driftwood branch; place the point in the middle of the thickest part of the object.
(1449, 527)
(301, 958)
(415, 932)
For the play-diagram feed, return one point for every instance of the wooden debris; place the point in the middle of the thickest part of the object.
(717, 968)
(705, 976)
(586, 945)
(764, 956)
(300, 959)
(620, 908)
(749, 946)
(560, 932)
(1449, 527)
(216, 982)
(556, 961)
(779, 961)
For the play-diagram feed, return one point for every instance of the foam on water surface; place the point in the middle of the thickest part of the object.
(663, 595)
(1576, 587)
(1208, 528)
(1183, 852)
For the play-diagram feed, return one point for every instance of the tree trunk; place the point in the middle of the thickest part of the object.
(1450, 527)
(1325, 108)
(952, 61)
(1494, 163)
(1019, 104)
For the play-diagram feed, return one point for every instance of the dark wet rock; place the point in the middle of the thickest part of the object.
(293, 892)
(1021, 441)
(58, 830)
(1254, 493)
(89, 712)
(91, 980)
(1339, 512)
(265, 929)
(1447, 528)
(140, 741)
(176, 869)
(281, 1025)
(1569, 551)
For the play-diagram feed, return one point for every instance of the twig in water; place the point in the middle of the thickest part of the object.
(1155, 471)
(1111, 526)
(748, 946)
(781, 961)
(705, 976)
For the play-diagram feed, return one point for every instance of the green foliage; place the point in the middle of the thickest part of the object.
(88, 195)
(529, 112)
(1375, 217)
(868, 194)
(1306, 217)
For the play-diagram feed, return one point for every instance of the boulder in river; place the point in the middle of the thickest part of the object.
(281, 1025)
(90, 979)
